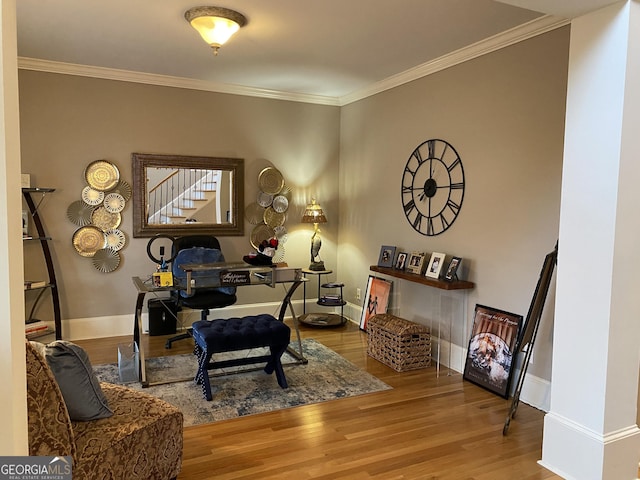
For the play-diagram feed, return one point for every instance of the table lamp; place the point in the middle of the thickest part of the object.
(314, 214)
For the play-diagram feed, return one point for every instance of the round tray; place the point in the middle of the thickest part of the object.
(104, 219)
(80, 213)
(254, 213)
(270, 180)
(114, 202)
(124, 189)
(281, 234)
(264, 199)
(115, 239)
(106, 260)
(102, 175)
(259, 233)
(88, 240)
(285, 191)
(91, 196)
(273, 218)
(280, 203)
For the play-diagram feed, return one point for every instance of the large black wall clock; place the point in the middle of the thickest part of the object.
(433, 187)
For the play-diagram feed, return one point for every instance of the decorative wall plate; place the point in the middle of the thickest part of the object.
(114, 202)
(281, 234)
(280, 203)
(264, 199)
(270, 180)
(273, 218)
(106, 260)
(124, 189)
(80, 213)
(279, 255)
(91, 196)
(286, 192)
(104, 219)
(254, 213)
(102, 175)
(115, 239)
(88, 240)
(259, 233)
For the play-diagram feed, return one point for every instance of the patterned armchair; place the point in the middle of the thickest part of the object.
(142, 440)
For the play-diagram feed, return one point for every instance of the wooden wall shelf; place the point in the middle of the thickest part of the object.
(431, 282)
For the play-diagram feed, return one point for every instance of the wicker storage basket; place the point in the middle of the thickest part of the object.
(398, 343)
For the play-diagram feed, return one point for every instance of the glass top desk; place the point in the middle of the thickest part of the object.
(221, 275)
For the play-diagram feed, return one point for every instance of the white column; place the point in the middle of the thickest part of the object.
(13, 440)
(590, 431)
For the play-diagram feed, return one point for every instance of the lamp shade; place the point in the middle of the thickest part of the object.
(215, 24)
(313, 214)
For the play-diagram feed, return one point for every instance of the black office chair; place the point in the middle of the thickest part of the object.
(198, 249)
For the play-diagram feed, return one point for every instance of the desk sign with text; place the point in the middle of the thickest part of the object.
(230, 278)
(35, 468)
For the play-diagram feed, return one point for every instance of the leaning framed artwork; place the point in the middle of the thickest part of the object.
(491, 349)
(376, 299)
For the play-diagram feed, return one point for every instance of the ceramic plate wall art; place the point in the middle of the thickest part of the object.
(102, 175)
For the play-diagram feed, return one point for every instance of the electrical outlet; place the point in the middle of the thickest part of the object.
(358, 294)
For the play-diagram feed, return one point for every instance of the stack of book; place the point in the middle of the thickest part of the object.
(35, 328)
(330, 300)
(29, 284)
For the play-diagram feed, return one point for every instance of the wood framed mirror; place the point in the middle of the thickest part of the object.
(187, 195)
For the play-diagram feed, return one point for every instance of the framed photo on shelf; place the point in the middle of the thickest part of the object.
(435, 265)
(401, 261)
(451, 273)
(491, 349)
(376, 299)
(387, 254)
(415, 263)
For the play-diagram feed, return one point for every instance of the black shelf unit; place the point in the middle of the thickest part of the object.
(51, 285)
(327, 300)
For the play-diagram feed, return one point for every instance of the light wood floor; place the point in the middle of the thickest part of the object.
(425, 428)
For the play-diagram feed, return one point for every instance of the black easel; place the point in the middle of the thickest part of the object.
(528, 334)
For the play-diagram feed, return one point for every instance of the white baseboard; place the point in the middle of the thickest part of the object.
(535, 391)
(122, 325)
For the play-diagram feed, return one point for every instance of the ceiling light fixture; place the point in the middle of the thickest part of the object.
(215, 24)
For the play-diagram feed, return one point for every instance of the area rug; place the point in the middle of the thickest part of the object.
(327, 376)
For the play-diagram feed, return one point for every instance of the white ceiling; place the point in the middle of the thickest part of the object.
(328, 49)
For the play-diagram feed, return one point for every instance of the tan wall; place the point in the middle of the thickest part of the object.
(67, 122)
(504, 113)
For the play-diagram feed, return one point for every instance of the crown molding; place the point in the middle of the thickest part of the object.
(509, 37)
(518, 34)
(25, 63)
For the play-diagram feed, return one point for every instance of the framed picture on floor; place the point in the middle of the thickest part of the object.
(491, 349)
(435, 265)
(376, 299)
(387, 254)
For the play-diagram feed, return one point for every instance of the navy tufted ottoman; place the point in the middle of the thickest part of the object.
(226, 335)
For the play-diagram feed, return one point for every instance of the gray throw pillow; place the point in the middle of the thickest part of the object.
(79, 385)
